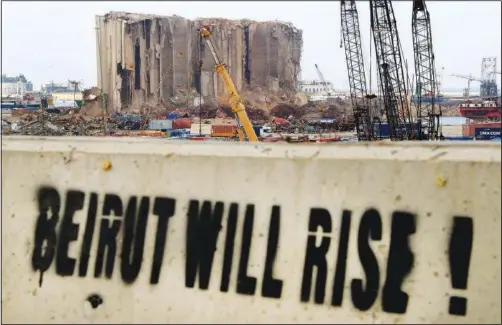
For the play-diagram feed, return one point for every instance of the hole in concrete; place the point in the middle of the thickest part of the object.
(95, 300)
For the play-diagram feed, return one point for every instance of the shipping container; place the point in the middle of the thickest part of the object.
(200, 129)
(223, 130)
(469, 130)
(439, 99)
(32, 106)
(160, 125)
(257, 130)
(179, 133)
(182, 123)
(382, 130)
(487, 133)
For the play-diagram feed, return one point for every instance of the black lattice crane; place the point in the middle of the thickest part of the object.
(351, 36)
(488, 89)
(391, 70)
(428, 111)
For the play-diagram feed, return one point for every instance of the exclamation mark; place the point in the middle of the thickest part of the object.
(460, 259)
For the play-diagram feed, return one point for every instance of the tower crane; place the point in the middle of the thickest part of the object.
(351, 37)
(469, 78)
(323, 81)
(235, 102)
(425, 72)
(390, 68)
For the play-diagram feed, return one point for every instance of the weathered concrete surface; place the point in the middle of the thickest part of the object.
(435, 182)
(166, 67)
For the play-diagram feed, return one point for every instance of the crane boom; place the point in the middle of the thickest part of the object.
(351, 36)
(463, 76)
(425, 71)
(469, 79)
(390, 68)
(235, 102)
(321, 76)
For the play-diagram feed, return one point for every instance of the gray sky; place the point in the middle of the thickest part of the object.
(56, 40)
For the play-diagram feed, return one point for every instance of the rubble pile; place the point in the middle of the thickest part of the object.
(88, 120)
(92, 101)
(47, 124)
(339, 110)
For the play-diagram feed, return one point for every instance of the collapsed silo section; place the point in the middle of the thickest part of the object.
(147, 62)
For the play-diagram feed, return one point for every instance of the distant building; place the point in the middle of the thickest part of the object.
(67, 96)
(316, 87)
(317, 91)
(15, 85)
(62, 87)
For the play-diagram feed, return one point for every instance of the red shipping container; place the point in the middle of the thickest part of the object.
(223, 130)
(182, 123)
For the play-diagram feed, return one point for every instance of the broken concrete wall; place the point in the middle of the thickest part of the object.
(153, 60)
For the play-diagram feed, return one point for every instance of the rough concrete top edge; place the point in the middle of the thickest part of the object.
(432, 152)
(134, 17)
(244, 21)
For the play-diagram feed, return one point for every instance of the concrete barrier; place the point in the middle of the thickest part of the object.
(142, 231)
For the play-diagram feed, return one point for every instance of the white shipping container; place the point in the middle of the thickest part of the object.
(204, 129)
(160, 124)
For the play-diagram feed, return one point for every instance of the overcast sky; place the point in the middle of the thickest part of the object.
(56, 40)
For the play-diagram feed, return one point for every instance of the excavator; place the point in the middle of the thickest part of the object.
(236, 104)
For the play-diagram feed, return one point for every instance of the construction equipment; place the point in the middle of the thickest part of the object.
(326, 87)
(488, 89)
(351, 37)
(470, 78)
(235, 102)
(428, 112)
(390, 68)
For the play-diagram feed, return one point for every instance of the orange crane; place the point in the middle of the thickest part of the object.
(235, 101)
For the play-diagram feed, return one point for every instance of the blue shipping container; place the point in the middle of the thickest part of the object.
(257, 130)
(429, 99)
(383, 130)
(486, 133)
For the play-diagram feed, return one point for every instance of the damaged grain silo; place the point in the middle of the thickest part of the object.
(147, 60)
